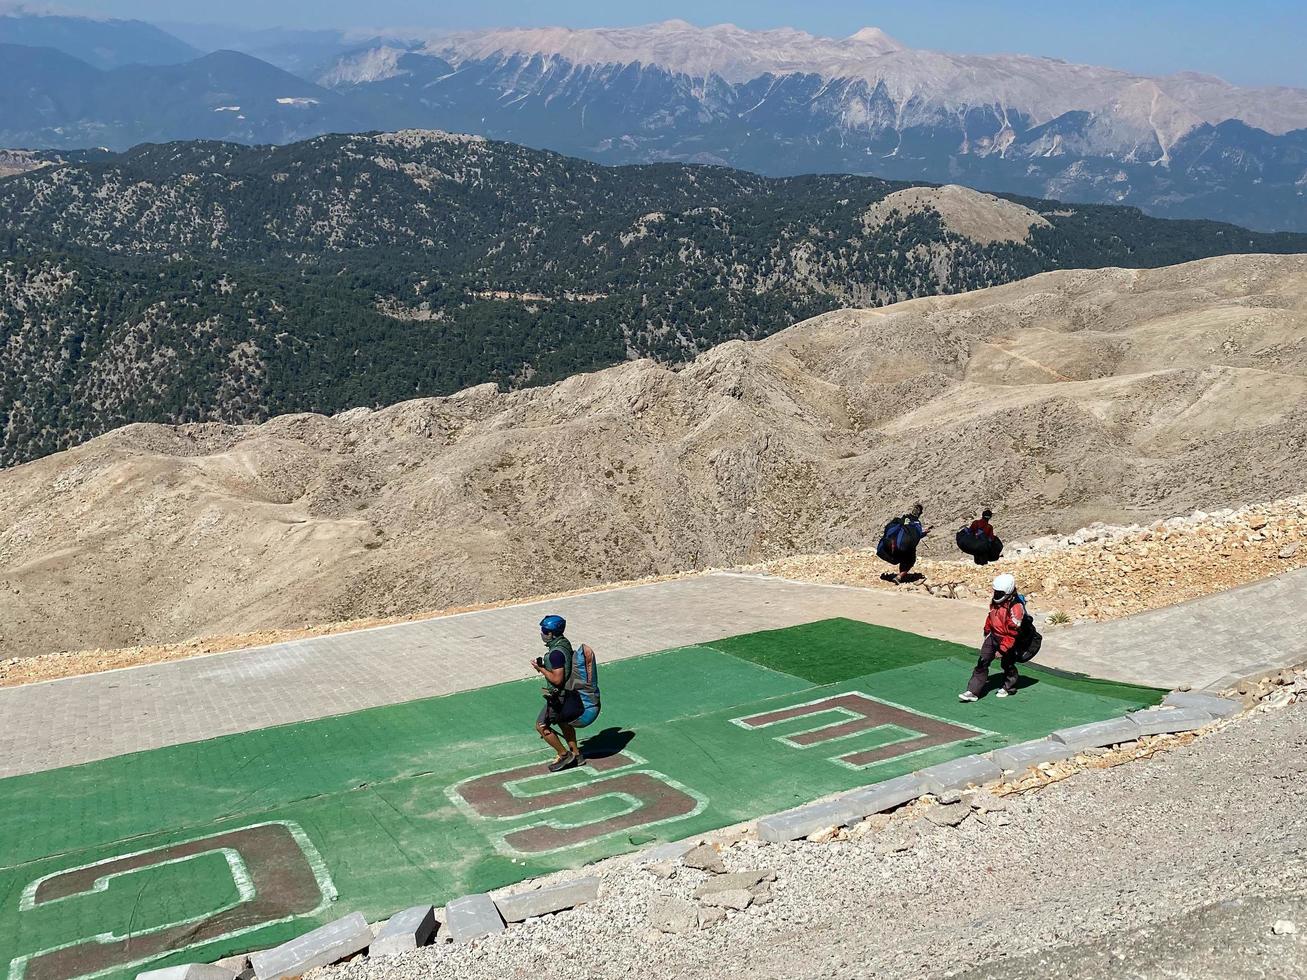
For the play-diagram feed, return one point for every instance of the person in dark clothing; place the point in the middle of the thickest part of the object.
(1002, 629)
(572, 694)
(981, 528)
(902, 536)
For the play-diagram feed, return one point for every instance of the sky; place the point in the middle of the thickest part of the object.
(1250, 42)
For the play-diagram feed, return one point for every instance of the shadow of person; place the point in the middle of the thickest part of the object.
(995, 682)
(610, 741)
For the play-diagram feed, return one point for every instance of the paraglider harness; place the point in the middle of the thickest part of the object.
(576, 686)
(1029, 639)
(897, 541)
(978, 545)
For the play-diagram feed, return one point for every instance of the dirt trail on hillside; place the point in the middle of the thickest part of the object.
(1113, 395)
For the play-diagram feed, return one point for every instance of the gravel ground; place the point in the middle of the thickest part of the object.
(1175, 864)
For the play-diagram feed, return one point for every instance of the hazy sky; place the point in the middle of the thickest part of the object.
(1245, 41)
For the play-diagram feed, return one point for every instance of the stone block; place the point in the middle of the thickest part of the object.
(879, 797)
(551, 898)
(405, 932)
(805, 820)
(1214, 706)
(705, 857)
(322, 946)
(1019, 758)
(674, 915)
(1158, 721)
(191, 971)
(671, 851)
(738, 899)
(747, 880)
(958, 774)
(472, 917)
(1097, 733)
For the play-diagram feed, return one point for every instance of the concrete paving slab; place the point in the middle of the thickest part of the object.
(191, 971)
(404, 932)
(472, 917)
(549, 899)
(1097, 734)
(880, 797)
(324, 945)
(1214, 706)
(958, 774)
(1161, 721)
(804, 820)
(1196, 643)
(1018, 758)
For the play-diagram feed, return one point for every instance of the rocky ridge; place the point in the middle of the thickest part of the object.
(1061, 400)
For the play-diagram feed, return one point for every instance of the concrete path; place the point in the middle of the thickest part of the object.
(80, 719)
(1217, 638)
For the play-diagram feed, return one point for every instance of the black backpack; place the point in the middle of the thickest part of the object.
(1029, 639)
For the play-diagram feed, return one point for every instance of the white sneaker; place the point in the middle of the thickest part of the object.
(1003, 694)
(967, 696)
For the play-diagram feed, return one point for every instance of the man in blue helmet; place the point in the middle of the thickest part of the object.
(572, 697)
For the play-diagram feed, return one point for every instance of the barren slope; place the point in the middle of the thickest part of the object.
(1070, 397)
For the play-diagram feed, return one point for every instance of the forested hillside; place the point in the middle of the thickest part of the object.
(211, 281)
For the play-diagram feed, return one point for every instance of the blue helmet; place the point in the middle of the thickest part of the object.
(553, 624)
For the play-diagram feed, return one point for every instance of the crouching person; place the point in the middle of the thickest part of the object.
(1002, 629)
(572, 694)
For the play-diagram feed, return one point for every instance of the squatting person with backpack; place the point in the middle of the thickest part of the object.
(898, 543)
(572, 694)
(1005, 629)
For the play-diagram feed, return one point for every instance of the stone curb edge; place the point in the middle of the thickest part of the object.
(1179, 712)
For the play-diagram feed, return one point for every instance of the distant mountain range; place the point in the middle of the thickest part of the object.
(776, 102)
(202, 281)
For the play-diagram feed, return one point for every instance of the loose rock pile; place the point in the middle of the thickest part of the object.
(717, 892)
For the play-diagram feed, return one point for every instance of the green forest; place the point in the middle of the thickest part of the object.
(207, 281)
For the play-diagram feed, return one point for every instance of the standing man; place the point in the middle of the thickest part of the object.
(572, 697)
(1002, 628)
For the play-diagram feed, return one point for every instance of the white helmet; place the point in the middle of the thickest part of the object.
(1005, 583)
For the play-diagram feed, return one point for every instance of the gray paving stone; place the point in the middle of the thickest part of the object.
(805, 820)
(671, 851)
(958, 774)
(405, 932)
(1019, 758)
(879, 797)
(191, 971)
(1214, 706)
(551, 898)
(1159, 721)
(1207, 643)
(472, 917)
(1097, 733)
(322, 946)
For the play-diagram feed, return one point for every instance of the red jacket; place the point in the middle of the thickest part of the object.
(984, 527)
(1004, 622)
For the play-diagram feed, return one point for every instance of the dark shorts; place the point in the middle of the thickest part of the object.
(569, 710)
(564, 710)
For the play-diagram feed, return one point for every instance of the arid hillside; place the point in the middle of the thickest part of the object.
(1072, 397)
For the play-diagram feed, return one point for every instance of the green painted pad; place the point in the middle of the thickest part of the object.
(195, 851)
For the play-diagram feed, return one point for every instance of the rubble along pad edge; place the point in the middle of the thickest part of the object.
(195, 851)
